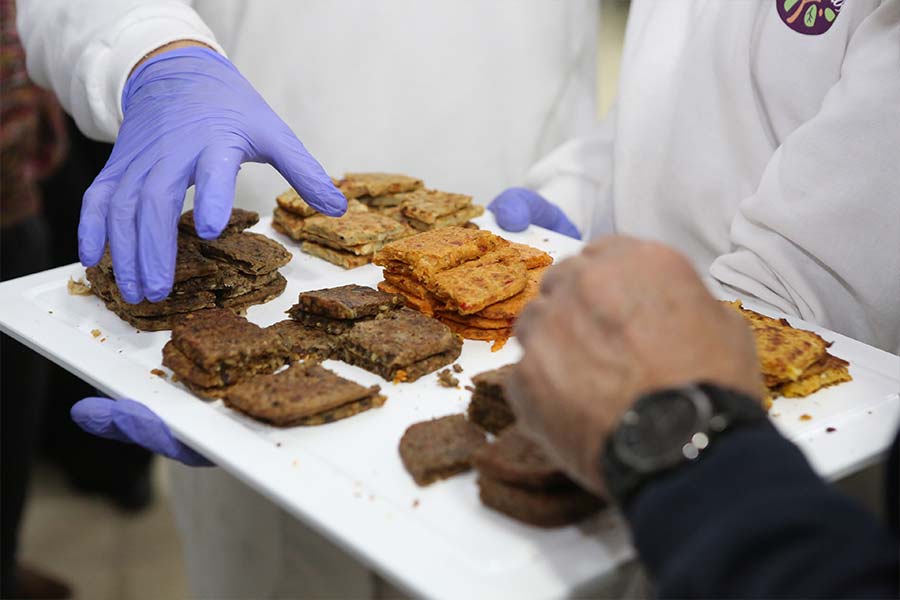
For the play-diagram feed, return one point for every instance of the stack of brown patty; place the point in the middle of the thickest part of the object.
(235, 271)
(475, 282)
(213, 349)
(440, 448)
(794, 362)
(372, 330)
(517, 479)
(489, 408)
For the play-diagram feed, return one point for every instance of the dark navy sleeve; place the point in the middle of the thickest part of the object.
(752, 519)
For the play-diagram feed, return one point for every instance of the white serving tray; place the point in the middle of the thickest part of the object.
(346, 479)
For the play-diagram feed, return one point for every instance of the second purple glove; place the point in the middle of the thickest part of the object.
(517, 208)
(190, 118)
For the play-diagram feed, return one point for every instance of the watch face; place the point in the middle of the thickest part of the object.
(653, 433)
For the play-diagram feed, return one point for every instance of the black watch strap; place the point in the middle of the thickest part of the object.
(731, 410)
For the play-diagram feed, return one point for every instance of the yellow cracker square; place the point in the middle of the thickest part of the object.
(512, 307)
(291, 201)
(828, 371)
(534, 258)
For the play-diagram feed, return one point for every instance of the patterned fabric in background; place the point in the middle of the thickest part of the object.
(32, 129)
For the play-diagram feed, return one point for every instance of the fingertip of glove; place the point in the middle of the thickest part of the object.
(85, 412)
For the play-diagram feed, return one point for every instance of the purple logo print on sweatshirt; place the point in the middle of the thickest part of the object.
(810, 17)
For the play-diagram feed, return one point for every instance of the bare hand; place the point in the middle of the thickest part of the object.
(624, 318)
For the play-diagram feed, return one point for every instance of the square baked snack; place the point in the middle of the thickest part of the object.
(239, 220)
(514, 459)
(440, 448)
(290, 201)
(341, 258)
(219, 340)
(426, 254)
(354, 228)
(251, 253)
(347, 302)
(402, 346)
(476, 284)
(355, 185)
(489, 408)
(304, 342)
(428, 206)
(541, 508)
(303, 394)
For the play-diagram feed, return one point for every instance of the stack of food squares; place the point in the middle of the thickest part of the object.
(433, 209)
(303, 394)
(794, 362)
(516, 478)
(213, 349)
(235, 271)
(348, 241)
(489, 408)
(473, 281)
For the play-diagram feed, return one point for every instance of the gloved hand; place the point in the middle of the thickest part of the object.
(190, 118)
(517, 208)
(130, 422)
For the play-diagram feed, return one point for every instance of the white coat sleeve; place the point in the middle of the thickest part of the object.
(577, 177)
(820, 238)
(84, 50)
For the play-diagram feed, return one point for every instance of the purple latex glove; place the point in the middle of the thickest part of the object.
(517, 208)
(130, 422)
(190, 118)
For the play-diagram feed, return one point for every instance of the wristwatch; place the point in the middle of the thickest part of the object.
(666, 429)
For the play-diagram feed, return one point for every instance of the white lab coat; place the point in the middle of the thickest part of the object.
(463, 93)
(770, 157)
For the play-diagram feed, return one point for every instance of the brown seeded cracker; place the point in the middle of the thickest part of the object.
(456, 219)
(428, 253)
(377, 184)
(347, 260)
(260, 295)
(354, 228)
(305, 342)
(514, 459)
(429, 205)
(215, 337)
(476, 284)
(103, 285)
(347, 302)
(404, 340)
(545, 508)
(440, 448)
(239, 220)
(301, 392)
(251, 253)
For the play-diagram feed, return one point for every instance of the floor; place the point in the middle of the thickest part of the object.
(104, 553)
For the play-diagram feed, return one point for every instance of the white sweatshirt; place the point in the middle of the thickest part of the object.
(771, 157)
(463, 93)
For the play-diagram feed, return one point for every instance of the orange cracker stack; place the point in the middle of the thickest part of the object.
(473, 281)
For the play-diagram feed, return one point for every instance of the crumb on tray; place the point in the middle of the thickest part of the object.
(805, 417)
(457, 368)
(446, 379)
(400, 376)
(78, 287)
(96, 333)
(158, 373)
(830, 429)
